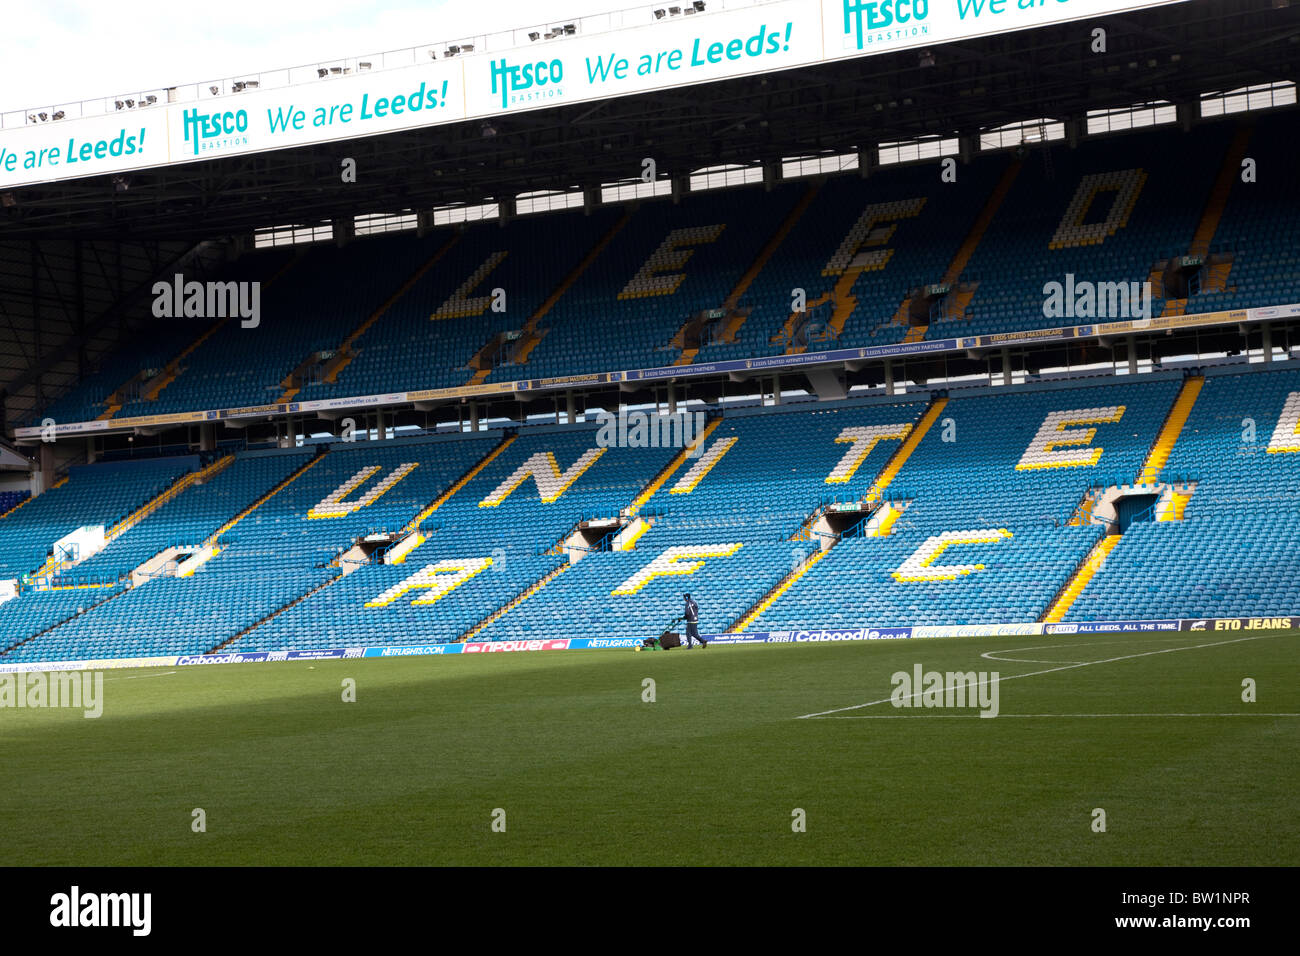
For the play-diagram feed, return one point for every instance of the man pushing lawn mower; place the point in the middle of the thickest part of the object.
(670, 639)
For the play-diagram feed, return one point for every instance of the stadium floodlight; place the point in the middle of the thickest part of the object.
(467, 48)
(925, 58)
(336, 70)
(8, 200)
(31, 117)
(214, 90)
(363, 65)
(151, 99)
(239, 86)
(453, 50)
(534, 36)
(118, 103)
(659, 14)
(59, 115)
(121, 184)
(488, 130)
(570, 29)
(699, 6)
(130, 104)
(674, 11)
(44, 116)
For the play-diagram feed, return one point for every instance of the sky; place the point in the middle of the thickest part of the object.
(59, 51)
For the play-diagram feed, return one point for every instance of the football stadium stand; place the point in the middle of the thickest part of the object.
(899, 256)
(1155, 497)
(1161, 493)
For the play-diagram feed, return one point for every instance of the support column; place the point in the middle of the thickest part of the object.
(866, 159)
(1006, 366)
(1131, 346)
(207, 437)
(571, 407)
(776, 389)
(90, 451)
(473, 417)
(43, 477)
(672, 399)
(889, 376)
(1266, 335)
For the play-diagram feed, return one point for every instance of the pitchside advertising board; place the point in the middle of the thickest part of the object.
(714, 45)
(854, 635)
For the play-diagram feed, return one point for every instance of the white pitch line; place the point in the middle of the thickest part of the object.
(1027, 660)
(992, 655)
(1050, 670)
(139, 676)
(1000, 716)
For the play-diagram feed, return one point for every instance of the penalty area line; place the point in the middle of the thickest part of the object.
(1070, 716)
(1049, 670)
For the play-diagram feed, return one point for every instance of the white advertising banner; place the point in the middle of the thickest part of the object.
(714, 45)
(863, 27)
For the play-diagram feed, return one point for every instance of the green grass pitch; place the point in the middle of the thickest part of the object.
(587, 772)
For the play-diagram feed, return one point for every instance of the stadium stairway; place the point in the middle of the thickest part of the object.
(514, 602)
(1079, 580)
(1172, 428)
(991, 207)
(59, 619)
(768, 599)
(215, 538)
(670, 469)
(1173, 500)
(15, 506)
(349, 560)
(1218, 201)
(962, 294)
(412, 536)
(344, 354)
(153, 388)
(877, 524)
(532, 334)
(1170, 506)
(276, 613)
(731, 304)
(53, 567)
(186, 480)
(1217, 270)
(904, 451)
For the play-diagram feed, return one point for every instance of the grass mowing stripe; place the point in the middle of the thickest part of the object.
(709, 772)
(1051, 670)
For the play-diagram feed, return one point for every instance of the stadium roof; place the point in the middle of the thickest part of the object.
(53, 325)
(1173, 54)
